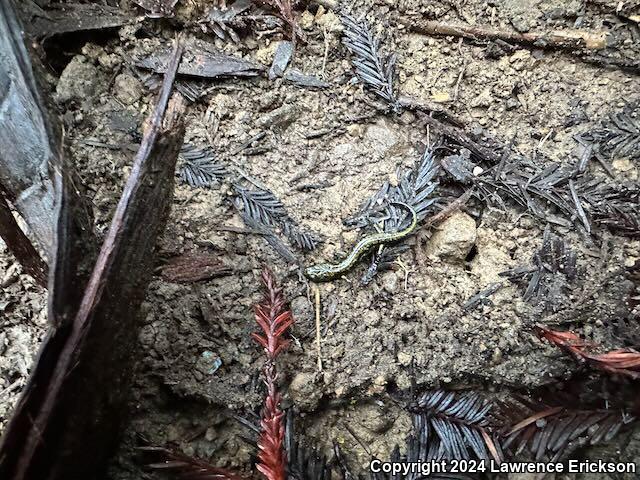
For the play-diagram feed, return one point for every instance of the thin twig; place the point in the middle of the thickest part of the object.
(325, 57)
(447, 211)
(582, 44)
(456, 90)
(570, 39)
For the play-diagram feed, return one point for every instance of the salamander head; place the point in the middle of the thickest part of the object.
(320, 273)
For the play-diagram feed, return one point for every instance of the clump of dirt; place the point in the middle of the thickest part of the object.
(324, 152)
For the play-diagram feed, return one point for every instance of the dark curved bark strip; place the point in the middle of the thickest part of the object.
(69, 417)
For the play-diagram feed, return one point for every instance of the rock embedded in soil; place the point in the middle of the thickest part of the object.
(390, 281)
(10, 276)
(303, 391)
(453, 239)
(128, 89)
(302, 309)
(329, 21)
(492, 257)
(279, 118)
(78, 80)
(376, 418)
(405, 359)
(382, 137)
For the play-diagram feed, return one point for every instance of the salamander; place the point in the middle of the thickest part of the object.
(328, 271)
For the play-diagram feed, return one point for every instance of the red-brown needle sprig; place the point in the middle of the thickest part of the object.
(273, 319)
(624, 362)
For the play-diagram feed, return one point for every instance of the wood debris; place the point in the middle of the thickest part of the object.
(77, 17)
(66, 422)
(194, 267)
(201, 59)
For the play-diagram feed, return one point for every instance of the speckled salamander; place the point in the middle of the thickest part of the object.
(328, 271)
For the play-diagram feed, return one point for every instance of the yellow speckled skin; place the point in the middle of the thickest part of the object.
(328, 271)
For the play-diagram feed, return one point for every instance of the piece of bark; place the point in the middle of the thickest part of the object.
(306, 81)
(202, 59)
(194, 267)
(33, 159)
(19, 244)
(69, 417)
(281, 59)
(28, 140)
(75, 17)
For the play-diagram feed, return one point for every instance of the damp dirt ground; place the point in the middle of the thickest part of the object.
(323, 153)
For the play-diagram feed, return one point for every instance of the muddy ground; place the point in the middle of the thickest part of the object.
(370, 334)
